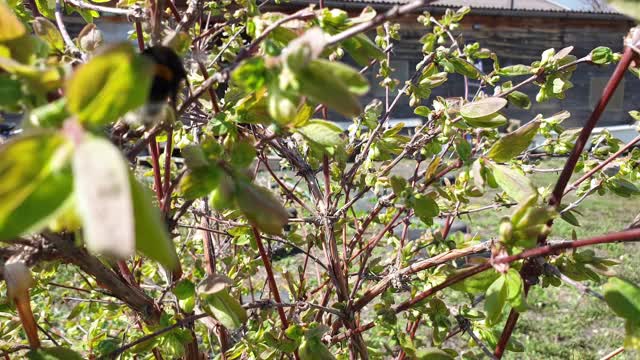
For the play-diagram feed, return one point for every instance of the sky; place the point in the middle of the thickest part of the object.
(574, 4)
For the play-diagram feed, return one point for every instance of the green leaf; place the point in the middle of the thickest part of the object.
(242, 154)
(251, 74)
(362, 49)
(463, 149)
(483, 108)
(200, 181)
(52, 114)
(495, 299)
(516, 185)
(465, 68)
(514, 70)
(422, 111)
(152, 238)
(282, 106)
(103, 197)
(398, 184)
(433, 354)
(109, 85)
(10, 91)
(41, 206)
(476, 284)
(46, 8)
(24, 162)
(312, 348)
(515, 290)
(491, 121)
(49, 33)
(355, 82)
(216, 300)
(262, 209)
(185, 292)
(40, 80)
(333, 85)
(10, 27)
(425, 208)
(623, 297)
(325, 134)
(519, 99)
(514, 143)
(34, 182)
(622, 187)
(53, 353)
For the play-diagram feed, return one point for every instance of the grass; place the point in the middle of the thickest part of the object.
(563, 323)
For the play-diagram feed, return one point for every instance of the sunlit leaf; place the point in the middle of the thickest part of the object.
(623, 297)
(483, 108)
(214, 294)
(514, 143)
(152, 238)
(516, 185)
(103, 197)
(10, 27)
(519, 99)
(261, 208)
(495, 299)
(49, 33)
(465, 68)
(34, 182)
(323, 133)
(515, 290)
(515, 70)
(109, 85)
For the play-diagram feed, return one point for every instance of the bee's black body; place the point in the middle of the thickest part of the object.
(168, 73)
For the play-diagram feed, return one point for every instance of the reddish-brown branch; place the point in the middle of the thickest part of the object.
(607, 94)
(443, 285)
(174, 10)
(167, 163)
(373, 291)
(155, 163)
(270, 277)
(28, 321)
(567, 171)
(139, 35)
(210, 91)
(614, 353)
(623, 236)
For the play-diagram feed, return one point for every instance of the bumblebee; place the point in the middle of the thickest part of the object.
(168, 73)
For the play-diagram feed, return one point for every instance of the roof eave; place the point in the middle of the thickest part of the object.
(357, 5)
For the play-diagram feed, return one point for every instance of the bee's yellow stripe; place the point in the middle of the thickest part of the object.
(163, 72)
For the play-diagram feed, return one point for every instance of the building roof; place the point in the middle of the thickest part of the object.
(549, 7)
(532, 5)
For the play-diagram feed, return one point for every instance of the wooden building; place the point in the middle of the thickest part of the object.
(518, 31)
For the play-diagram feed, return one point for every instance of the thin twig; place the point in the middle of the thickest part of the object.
(65, 34)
